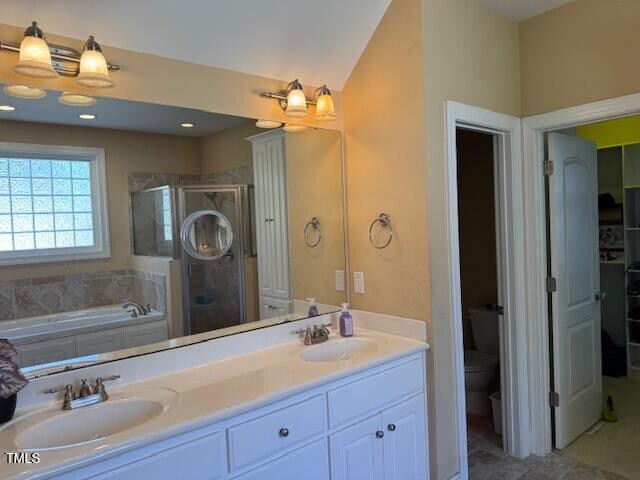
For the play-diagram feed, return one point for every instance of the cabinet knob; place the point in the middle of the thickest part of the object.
(379, 434)
(284, 432)
(391, 427)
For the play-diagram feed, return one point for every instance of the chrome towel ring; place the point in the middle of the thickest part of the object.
(314, 224)
(385, 222)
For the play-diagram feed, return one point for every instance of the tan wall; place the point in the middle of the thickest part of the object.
(314, 189)
(228, 148)
(581, 52)
(124, 152)
(153, 79)
(470, 56)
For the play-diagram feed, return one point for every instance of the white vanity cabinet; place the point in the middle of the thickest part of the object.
(369, 425)
(272, 231)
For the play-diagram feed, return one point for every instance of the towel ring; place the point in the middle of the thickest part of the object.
(385, 221)
(314, 223)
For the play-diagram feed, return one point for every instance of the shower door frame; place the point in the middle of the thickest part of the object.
(243, 214)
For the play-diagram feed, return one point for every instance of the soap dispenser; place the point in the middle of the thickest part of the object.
(346, 321)
(313, 308)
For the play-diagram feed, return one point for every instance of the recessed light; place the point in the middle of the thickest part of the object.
(76, 99)
(294, 128)
(24, 91)
(268, 124)
(187, 125)
(86, 116)
(7, 108)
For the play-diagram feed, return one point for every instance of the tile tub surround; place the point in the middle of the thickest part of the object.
(216, 380)
(32, 297)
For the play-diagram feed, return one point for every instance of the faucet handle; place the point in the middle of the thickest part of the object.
(67, 389)
(132, 312)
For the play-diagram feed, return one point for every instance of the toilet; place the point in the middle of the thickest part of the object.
(481, 366)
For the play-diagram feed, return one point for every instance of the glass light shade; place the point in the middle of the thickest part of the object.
(24, 91)
(268, 124)
(35, 59)
(324, 108)
(76, 99)
(296, 104)
(94, 72)
(293, 128)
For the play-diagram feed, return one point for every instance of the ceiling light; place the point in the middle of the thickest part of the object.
(86, 116)
(24, 91)
(296, 101)
(35, 57)
(268, 124)
(187, 125)
(293, 128)
(7, 108)
(94, 71)
(325, 109)
(76, 99)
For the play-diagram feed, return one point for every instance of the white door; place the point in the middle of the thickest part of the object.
(573, 195)
(357, 451)
(405, 442)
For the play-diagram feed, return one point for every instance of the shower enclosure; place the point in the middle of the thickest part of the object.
(209, 229)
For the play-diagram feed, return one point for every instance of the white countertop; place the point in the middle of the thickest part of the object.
(207, 394)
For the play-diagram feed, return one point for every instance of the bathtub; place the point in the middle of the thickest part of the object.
(46, 327)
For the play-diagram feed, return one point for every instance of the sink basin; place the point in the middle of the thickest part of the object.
(63, 429)
(335, 350)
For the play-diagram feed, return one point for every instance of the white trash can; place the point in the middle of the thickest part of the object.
(496, 406)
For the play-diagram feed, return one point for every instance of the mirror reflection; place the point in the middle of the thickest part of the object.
(148, 227)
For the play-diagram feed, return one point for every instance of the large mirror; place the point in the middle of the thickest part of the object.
(126, 228)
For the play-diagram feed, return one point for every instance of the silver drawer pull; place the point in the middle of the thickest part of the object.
(391, 427)
(379, 434)
(284, 432)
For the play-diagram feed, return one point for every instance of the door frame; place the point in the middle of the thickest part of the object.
(507, 132)
(533, 130)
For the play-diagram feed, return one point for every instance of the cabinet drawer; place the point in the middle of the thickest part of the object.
(99, 342)
(374, 392)
(145, 334)
(308, 463)
(263, 436)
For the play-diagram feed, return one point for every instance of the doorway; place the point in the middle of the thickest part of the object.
(481, 289)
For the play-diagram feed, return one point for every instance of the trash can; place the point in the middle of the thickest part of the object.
(496, 406)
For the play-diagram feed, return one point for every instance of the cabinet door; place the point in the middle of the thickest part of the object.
(261, 171)
(279, 226)
(144, 334)
(357, 451)
(47, 351)
(100, 342)
(308, 463)
(405, 442)
(267, 309)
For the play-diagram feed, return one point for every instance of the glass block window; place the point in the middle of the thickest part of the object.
(166, 216)
(48, 207)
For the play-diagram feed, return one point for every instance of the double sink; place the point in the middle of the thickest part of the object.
(52, 428)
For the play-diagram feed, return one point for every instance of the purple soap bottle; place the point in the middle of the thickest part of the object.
(346, 321)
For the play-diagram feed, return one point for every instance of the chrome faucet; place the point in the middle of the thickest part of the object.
(87, 395)
(319, 334)
(137, 309)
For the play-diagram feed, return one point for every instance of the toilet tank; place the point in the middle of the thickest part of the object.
(486, 331)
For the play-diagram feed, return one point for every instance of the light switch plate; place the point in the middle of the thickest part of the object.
(339, 280)
(358, 282)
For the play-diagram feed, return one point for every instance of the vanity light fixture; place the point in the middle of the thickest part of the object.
(187, 125)
(24, 91)
(325, 109)
(35, 57)
(294, 128)
(86, 116)
(94, 71)
(38, 59)
(7, 108)
(294, 102)
(76, 99)
(268, 124)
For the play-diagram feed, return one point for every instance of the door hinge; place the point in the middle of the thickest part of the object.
(548, 168)
(554, 399)
(552, 284)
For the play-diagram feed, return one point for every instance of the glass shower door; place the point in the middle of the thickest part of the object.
(213, 290)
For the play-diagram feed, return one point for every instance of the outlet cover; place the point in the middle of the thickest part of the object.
(340, 281)
(358, 282)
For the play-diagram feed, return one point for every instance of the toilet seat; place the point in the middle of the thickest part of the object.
(477, 361)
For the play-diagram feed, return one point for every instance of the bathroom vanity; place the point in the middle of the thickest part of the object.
(348, 408)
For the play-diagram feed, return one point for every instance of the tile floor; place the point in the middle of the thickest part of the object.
(487, 461)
